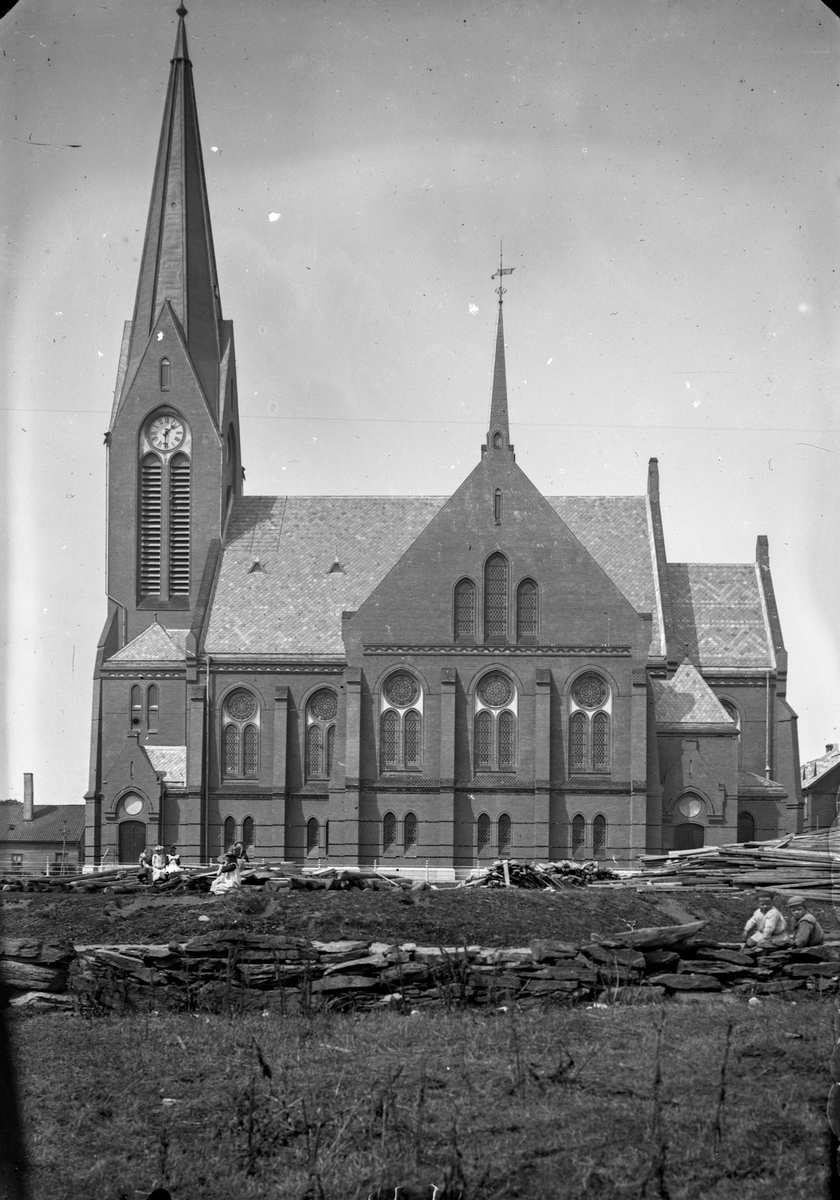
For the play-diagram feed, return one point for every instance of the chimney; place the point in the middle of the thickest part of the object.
(28, 797)
(832, 747)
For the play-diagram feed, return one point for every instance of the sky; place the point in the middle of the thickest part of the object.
(666, 178)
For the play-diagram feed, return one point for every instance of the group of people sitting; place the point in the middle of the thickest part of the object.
(767, 929)
(159, 865)
(229, 874)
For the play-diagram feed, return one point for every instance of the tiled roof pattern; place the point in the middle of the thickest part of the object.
(687, 699)
(154, 644)
(169, 761)
(718, 615)
(47, 824)
(614, 529)
(293, 604)
(815, 768)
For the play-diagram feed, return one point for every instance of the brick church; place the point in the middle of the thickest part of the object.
(406, 680)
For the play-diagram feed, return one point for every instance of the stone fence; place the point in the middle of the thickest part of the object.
(232, 972)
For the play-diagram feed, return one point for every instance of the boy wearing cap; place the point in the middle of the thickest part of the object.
(806, 929)
(766, 928)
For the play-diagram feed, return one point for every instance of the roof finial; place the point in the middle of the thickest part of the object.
(181, 11)
(502, 271)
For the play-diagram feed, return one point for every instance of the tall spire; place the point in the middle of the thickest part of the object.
(178, 263)
(498, 435)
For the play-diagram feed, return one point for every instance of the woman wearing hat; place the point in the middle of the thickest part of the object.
(159, 874)
(766, 928)
(805, 928)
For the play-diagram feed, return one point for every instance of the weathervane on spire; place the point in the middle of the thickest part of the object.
(502, 271)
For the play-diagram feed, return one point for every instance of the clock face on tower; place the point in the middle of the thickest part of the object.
(166, 433)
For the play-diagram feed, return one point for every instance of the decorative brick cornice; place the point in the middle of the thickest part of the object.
(276, 668)
(725, 679)
(138, 672)
(496, 651)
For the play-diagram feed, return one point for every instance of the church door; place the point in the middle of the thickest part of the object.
(689, 836)
(132, 840)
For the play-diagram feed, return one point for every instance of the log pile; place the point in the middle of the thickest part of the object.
(802, 863)
(551, 876)
(233, 972)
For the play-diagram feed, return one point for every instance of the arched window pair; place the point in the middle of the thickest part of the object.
(321, 710)
(599, 837)
(249, 833)
(401, 723)
(496, 705)
(165, 508)
(390, 833)
(496, 606)
(241, 735)
(589, 725)
(484, 835)
(145, 708)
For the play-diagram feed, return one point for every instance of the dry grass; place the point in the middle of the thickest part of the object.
(549, 1102)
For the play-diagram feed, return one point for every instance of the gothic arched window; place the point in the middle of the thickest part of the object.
(240, 735)
(152, 708)
(389, 831)
(228, 833)
(249, 832)
(321, 710)
(526, 611)
(589, 725)
(599, 837)
(496, 704)
(465, 611)
(496, 599)
(401, 723)
(409, 832)
(136, 706)
(482, 834)
(165, 374)
(505, 833)
(312, 837)
(578, 837)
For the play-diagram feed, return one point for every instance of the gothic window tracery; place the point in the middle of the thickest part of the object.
(401, 723)
(465, 611)
(590, 703)
(496, 574)
(240, 735)
(526, 611)
(321, 712)
(496, 706)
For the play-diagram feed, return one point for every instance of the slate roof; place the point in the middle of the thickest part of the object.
(718, 614)
(169, 761)
(292, 606)
(816, 768)
(46, 824)
(154, 644)
(614, 529)
(750, 784)
(686, 699)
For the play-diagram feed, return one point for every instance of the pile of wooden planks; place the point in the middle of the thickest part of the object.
(799, 863)
(554, 876)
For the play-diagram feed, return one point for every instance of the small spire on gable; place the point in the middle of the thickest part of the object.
(498, 435)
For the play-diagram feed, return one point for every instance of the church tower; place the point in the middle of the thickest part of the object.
(173, 443)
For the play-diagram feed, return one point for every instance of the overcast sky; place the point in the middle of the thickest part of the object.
(664, 175)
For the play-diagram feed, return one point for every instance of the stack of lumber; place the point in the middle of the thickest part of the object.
(799, 863)
(123, 880)
(551, 876)
(233, 972)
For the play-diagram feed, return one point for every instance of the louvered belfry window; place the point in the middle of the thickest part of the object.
(151, 530)
(179, 526)
(496, 598)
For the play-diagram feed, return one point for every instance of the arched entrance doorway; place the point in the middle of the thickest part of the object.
(689, 836)
(746, 827)
(132, 840)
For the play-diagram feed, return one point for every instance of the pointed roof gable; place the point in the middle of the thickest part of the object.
(154, 644)
(178, 261)
(687, 699)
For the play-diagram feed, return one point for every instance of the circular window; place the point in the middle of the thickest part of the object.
(132, 805)
(241, 705)
(401, 689)
(324, 705)
(590, 691)
(690, 807)
(495, 690)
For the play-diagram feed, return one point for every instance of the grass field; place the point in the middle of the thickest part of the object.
(544, 1102)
